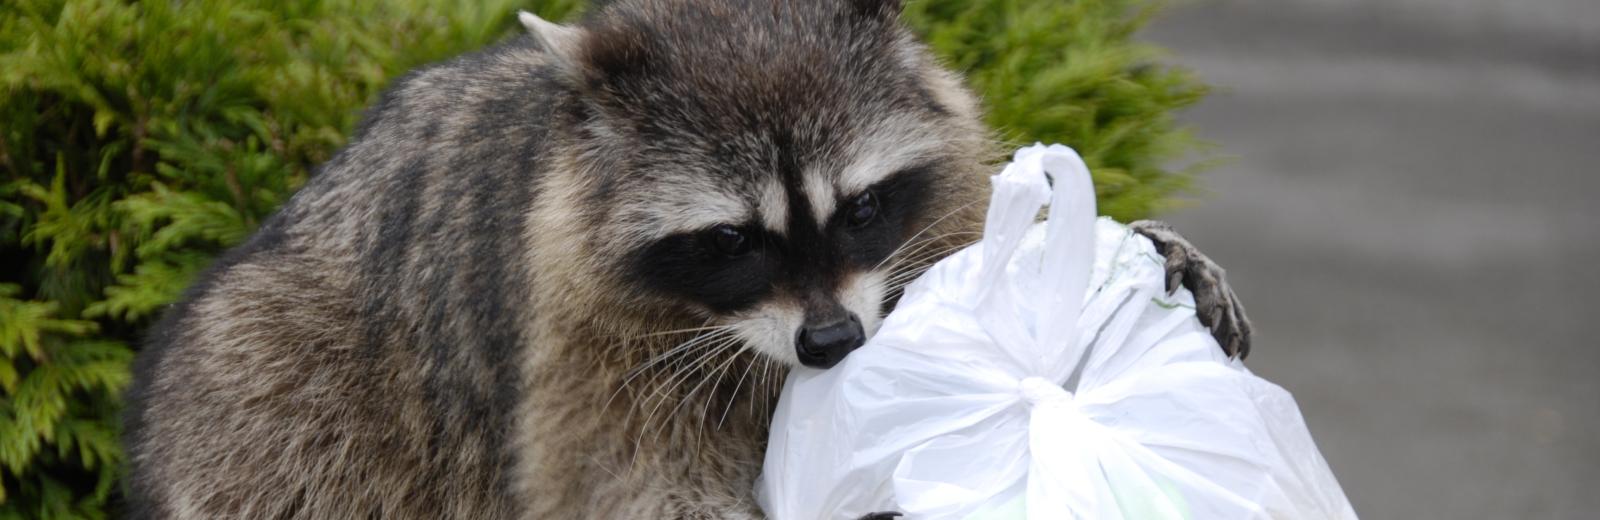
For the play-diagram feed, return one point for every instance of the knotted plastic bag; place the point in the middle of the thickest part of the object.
(1043, 373)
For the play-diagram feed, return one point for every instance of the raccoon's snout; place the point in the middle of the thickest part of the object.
(823, 346)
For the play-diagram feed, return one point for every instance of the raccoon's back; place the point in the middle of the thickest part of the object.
(355, 357)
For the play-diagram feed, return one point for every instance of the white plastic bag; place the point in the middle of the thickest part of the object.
(1043, 374)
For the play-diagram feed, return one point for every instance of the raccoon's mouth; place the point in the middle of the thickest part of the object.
(820, 334)
(786, 334)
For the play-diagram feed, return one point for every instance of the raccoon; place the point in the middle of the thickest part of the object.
(564, 277)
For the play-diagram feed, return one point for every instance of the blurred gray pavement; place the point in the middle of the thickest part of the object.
(1410, 218)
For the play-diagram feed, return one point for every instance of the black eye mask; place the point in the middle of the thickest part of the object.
(731, 267)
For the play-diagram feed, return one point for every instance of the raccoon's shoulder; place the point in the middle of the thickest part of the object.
(480, 119)
(495, 89)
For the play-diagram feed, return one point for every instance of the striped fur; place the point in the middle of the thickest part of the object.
(498, 301)
(449, 320)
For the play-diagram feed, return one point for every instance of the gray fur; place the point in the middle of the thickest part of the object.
(1215, 304)
(453, 318)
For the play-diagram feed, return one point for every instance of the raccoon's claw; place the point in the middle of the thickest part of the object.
(881, 515)
(1215, 303)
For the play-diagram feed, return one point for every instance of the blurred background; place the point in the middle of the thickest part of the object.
(1410, 218)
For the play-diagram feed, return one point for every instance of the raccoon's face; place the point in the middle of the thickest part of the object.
(795, 258)
(765, 166)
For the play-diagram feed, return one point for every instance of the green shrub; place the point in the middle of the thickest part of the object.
(139, 139)
(1067, 71)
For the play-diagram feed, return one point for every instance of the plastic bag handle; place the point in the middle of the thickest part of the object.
(1019, 191)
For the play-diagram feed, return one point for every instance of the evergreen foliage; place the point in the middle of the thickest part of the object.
(1068, 71)
(139, 139)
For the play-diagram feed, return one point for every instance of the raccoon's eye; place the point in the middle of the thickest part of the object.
(862, 209)
(729, 240)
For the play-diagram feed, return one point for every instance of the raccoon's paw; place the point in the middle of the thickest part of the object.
(881, 515)
(1216, 305)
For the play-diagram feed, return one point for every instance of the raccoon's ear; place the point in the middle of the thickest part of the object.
(613, 53)
(877, 9)
(559, 40)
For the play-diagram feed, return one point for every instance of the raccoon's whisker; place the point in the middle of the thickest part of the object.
(711, 393)
(925, 243)
(910, 247)
(679, 331)
(896, 287)
(735, 394)
(931, 252)
(634, 373)
(899, 280)
(911, 272)
(779, 372)
(704, 339)
(925, 229)
(671, 354)
(940, 239)
(899, 285)
(923, 261)
(761, 387)
(768, 388)
(775, 380)
(664, 391)
(667, 389)
(661, 390)
(697, 340)
(933, 242)
(715, 375)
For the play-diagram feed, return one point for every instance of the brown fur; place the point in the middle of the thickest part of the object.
(449, 319)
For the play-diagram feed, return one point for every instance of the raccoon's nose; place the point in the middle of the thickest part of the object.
(824, 346)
